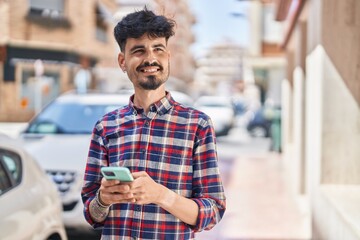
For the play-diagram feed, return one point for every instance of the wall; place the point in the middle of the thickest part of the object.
(342, 18)
(333, 153)
(330, 169)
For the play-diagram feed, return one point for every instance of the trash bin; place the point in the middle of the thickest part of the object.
(276, 130)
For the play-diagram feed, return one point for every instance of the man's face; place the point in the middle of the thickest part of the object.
(146, 61)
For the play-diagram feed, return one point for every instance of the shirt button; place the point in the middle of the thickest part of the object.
(146, 123)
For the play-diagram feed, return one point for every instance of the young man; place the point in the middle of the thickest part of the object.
(169, 149)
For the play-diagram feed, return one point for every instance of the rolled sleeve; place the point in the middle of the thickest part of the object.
(208, 191)
(96, 158)
(210, 213)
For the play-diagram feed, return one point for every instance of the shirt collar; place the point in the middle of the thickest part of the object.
(162, 106)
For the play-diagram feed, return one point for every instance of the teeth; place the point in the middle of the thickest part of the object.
(150, 70)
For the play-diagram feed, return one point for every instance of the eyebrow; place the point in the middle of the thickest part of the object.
(136, 47)
(142, 46)
(159, 45)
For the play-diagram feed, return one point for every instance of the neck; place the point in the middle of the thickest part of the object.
(144, 99)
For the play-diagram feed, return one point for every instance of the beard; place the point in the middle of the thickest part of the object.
(153, 83)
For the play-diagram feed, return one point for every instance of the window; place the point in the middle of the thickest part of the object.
(5, 182)
(10, 170)
(44, 91)
(272, 30)
(102, 15)
(47, 8)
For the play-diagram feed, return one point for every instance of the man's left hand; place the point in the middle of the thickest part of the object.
(145, 189)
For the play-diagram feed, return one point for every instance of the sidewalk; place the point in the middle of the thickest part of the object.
(259, 206)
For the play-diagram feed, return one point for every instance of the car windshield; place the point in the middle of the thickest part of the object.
(68, 118)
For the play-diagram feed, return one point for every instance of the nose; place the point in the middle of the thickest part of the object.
(150, 58)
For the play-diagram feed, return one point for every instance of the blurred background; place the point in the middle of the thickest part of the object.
(279, 78)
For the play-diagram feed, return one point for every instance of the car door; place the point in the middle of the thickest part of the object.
(13, 215)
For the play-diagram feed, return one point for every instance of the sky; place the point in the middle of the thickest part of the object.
(216, 23)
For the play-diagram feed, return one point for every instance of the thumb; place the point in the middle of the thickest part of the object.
(139, 174)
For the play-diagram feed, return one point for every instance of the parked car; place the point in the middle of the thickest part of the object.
(221, 111)
(59, 138)
(182, 98)
(30, 204)
(260, 125)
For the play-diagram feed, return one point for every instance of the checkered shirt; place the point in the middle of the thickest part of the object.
(176, 146)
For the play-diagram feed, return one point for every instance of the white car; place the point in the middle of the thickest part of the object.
(30, 204)
(221, 111)
(59, 138)
(182, 98)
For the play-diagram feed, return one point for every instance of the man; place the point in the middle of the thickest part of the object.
(169, 149)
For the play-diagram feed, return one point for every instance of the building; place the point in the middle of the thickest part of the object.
(321, 99)
(219, 70)
(65, 36)
(264, 63)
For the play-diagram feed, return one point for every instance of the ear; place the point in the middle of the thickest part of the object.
(121, 61)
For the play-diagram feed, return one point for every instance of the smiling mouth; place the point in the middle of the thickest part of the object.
(150, 70)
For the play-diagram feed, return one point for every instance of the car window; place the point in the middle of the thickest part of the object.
(69, 118)
(10, 170)
(5, 182)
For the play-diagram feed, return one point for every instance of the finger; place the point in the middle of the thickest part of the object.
(119, 188)
(139, 174)
(121, 198)
(137, 183)
(108, 183)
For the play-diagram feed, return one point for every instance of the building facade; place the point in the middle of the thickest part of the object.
(264, 63)
(64, 36)
(219, 70)
(321, 110)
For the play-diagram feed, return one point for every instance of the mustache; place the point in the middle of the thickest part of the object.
(147, 64)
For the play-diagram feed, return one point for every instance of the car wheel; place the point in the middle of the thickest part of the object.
(258, 131)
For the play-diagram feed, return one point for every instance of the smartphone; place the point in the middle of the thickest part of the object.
(117, 173)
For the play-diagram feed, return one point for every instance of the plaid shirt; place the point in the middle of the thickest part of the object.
(175, 145)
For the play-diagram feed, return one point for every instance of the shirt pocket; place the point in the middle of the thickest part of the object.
(119, 152)
(175, 172)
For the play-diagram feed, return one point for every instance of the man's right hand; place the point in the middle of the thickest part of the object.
(113, 191)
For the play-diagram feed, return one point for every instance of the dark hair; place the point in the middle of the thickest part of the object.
(136, 24)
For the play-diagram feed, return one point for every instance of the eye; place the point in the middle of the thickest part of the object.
(138, 51)
(159, 49)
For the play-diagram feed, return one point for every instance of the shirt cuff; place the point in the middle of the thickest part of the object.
(209, 214)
